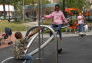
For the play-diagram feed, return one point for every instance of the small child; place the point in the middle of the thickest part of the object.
(20, 47)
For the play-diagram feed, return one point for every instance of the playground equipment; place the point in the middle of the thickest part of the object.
(35, 44)
(32, 39)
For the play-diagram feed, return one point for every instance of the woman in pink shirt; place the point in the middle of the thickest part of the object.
(58, 19)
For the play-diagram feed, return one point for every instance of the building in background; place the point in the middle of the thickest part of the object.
(9, 11)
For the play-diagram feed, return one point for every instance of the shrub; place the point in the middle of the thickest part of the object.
(13, 26)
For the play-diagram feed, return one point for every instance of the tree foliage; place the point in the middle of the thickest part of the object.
(74, 3)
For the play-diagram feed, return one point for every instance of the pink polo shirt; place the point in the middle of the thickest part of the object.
(58, 17)
(80, 19)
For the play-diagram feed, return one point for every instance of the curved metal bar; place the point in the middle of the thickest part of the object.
(40, 26)
(30, 42)
(7, 59)
(43, 45)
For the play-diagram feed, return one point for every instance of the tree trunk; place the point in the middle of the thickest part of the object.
(4, 12)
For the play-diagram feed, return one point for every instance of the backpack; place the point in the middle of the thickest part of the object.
(8, 31)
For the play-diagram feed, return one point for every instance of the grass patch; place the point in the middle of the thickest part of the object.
(48, 22)
(13, 26)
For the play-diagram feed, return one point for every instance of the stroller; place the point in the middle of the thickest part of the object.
(5, 36)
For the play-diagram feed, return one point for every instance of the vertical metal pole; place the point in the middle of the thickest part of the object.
(4, 12)
(33, 12)
(57, 46)
(64, 6)
(39, 43)
(9, 12)
(23, 11)
(42, 13)
(39, 8)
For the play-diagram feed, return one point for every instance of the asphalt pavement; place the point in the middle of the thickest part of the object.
(75, 50)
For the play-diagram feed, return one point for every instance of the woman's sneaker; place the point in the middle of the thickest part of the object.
(60, 51)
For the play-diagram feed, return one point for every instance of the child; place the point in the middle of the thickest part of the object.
(81, 23)
(20, 47)
(58, 19)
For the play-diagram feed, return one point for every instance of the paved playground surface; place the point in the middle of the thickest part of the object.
(75, 50)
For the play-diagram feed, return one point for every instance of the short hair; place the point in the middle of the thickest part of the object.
(18, 35)
(57, 5)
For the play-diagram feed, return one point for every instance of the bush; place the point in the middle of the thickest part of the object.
(13, 26)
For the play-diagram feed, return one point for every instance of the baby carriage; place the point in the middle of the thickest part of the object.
(4, 38)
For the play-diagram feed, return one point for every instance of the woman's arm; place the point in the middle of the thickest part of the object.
(63, 18)
(49, 16)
